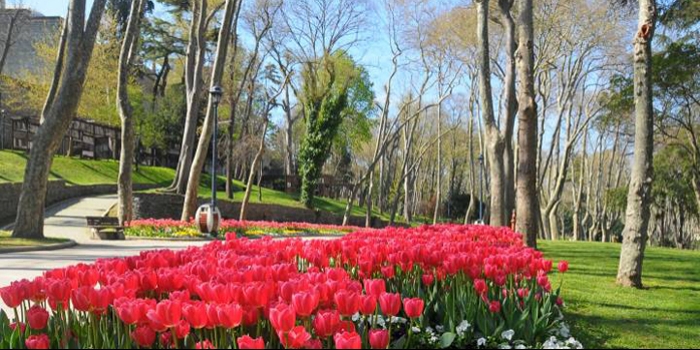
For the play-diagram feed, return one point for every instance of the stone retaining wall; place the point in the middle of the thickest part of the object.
(168, 206)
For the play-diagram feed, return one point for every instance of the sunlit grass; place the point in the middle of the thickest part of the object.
(664, 315)
(6, 241)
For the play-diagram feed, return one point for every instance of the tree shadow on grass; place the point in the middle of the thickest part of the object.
(596, 332)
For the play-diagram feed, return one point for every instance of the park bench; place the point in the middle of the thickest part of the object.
(105, 228)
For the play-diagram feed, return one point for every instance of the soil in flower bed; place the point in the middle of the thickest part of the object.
(427, 287)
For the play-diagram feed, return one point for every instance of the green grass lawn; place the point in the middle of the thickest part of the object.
(6, 241)
(270, 196)
(603, 315)
(77, 171)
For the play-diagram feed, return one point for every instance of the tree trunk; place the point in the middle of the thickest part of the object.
(510, 107)
(56, 121)
(194, 65)
(438, 177)
(190, 204)
(494, 140)
(527, 206)
(635, 234)
(251, 176)
(129, 50)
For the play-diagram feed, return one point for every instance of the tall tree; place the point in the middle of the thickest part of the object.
(325, 98)
(80, 41)
(190, 204)
(527, 205)
(194, 65)
(130, 48)
(635, 234)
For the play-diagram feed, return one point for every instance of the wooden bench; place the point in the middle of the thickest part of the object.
(105, 228)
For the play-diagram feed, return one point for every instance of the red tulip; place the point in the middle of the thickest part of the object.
(166, 339)
(313, 344)
(167, 313)
(305, 303)
(182, 329)
(347, 303)
(282, 317)
(428, 279)
(294, 338)
(129, 312)
(144, 336)
(495, 307)
(379, 338)
(326, 323)
(59, 292)
(37, 317)
(81, 299)
(205, 344)
(563, 266)
(10, 296)
(196, 315)
(230, 316)
(100, 299)
(251, 315)
(560, 301)
(347, 340)
(246, 342)
(480, 286)
(388, 271)
(375, 287)
(390, 303)
(368, 304)
(413, 307)
(22, 326)
(37, 342)
(346, 326)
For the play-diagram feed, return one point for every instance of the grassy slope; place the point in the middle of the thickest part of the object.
(81, 172)
(665, 315)
(89, 172)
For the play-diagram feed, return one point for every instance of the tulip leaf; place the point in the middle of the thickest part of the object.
(446, 339)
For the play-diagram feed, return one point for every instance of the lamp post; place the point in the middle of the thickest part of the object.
(208, 215)
(2, 133)
(481, 189)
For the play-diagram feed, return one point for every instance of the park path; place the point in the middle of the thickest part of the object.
(67, 220)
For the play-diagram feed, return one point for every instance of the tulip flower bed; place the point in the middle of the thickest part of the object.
(166, 228)
(429, 287)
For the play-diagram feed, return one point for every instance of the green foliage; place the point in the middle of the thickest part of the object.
(616, 199)
(162, 128)
(673, 181)
(334, 89)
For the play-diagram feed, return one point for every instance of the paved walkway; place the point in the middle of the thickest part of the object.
(67, 220)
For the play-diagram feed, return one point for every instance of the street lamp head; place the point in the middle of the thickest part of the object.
(216, 92)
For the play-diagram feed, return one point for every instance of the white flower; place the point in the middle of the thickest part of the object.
(356, 317)
(508, 335)
(434, 339)
(504, 346)
(481, 342)
(520, 346)
(463, 327)
(564, 331)
(415, 330)
(440, 328)
(395, 319)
